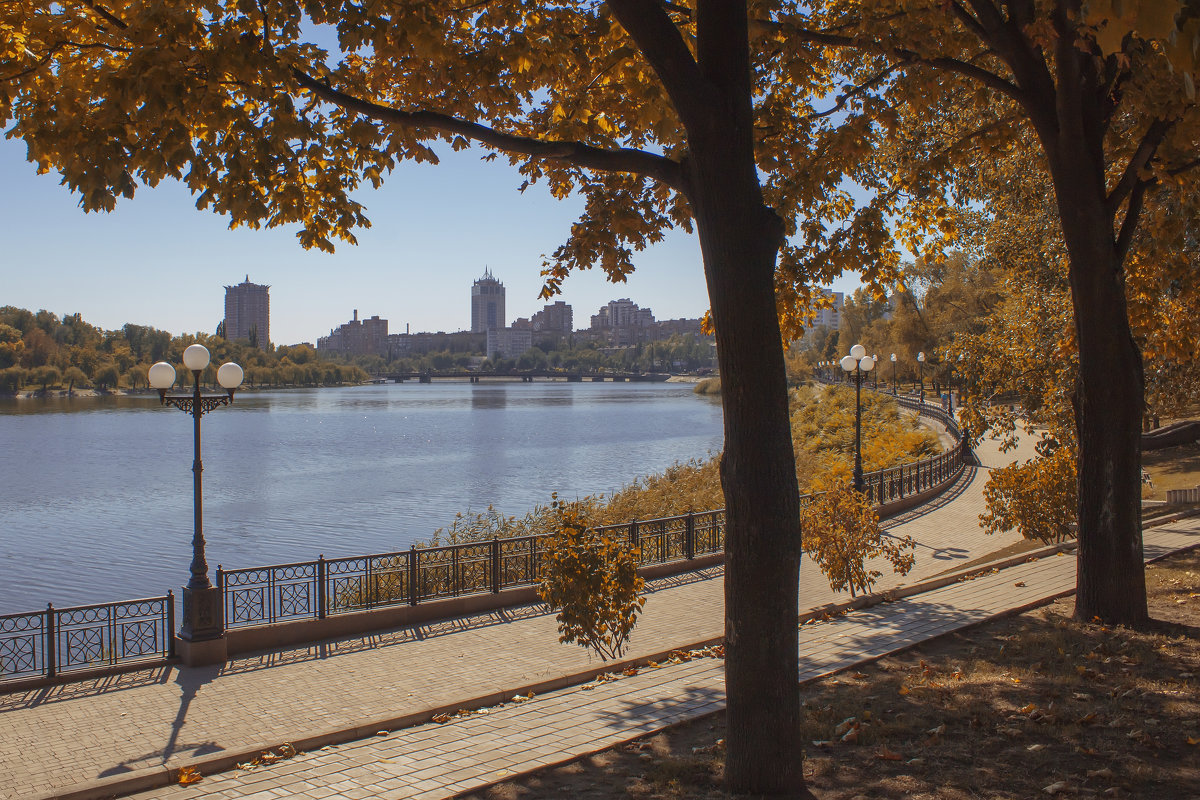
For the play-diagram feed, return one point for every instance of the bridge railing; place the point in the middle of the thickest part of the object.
(327, 587)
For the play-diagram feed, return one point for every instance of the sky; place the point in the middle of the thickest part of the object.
(156, 260)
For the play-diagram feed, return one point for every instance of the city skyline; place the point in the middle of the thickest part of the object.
(158, 261)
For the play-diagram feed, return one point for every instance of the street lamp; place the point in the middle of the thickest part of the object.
(875, 360)
(921, 372)
(893, 374)
(858, 362)
(202, 605)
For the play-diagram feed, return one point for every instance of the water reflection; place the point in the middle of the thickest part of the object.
(488, 397)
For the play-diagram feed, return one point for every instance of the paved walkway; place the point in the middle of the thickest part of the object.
(58, 738)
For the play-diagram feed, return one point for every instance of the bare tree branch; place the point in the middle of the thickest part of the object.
(628, 160)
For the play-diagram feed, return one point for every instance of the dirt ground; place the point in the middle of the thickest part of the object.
(1033, 705)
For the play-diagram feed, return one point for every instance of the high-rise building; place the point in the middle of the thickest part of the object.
(557, 316)
(248, 313)
(623, 313)
(487, 304)
(829, 315)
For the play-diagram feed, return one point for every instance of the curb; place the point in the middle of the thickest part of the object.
(164, 775)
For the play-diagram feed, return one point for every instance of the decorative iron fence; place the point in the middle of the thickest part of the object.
(325, 587)
(44, 644)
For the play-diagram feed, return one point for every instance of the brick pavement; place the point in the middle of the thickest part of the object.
(53, 739)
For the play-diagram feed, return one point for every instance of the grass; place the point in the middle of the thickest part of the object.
(1172, 468)
(1032, 705)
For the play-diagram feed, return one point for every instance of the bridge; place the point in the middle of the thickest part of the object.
(524, 376)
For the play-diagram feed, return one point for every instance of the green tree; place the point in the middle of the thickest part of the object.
(108, 376)
(72, 376)
(47, 376)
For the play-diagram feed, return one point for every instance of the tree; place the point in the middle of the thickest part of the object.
(659, 114)
(108, 376)
(1101, 96)
(74, 375)
(589, 578)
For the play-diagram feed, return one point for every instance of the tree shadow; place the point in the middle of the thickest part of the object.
(641, 713)
(331, 648)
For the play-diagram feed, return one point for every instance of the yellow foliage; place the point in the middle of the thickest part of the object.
(1037, 497)
(841, 533)
(590, 579)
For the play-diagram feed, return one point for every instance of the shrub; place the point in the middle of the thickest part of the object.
(1038, 498)
(590, 579)
(841, 534)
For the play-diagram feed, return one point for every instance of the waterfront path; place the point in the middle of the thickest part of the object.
(103, 736)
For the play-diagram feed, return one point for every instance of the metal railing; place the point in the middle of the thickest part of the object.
(44, 644)
(328, 586)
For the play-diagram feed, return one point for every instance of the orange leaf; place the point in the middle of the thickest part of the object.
(887, 755)
(189, 775)
(904, 690)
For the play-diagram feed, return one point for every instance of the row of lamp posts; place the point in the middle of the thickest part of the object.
(203, 630)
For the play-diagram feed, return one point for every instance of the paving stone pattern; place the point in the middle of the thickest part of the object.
(53, 739)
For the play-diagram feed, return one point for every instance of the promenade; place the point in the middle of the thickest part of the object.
(111, 735)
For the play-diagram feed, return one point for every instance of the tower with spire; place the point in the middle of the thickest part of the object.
(487, 304)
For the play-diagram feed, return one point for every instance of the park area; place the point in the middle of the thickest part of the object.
(1031, 705)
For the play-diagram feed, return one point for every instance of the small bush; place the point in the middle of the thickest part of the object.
(841, 533)
(590, 580)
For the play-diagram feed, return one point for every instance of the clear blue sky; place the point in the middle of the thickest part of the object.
(158, 261)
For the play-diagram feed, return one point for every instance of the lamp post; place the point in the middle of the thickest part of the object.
(202, 604)
(858, 362)
(893, 374)
(875, 385)
(950, 383)
(921, 373)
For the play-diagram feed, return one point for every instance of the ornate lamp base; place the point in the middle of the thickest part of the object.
(202, 635)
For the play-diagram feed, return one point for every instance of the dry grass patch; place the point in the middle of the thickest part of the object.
(1029, 706)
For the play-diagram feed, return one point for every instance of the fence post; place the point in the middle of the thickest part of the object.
(322, 600)
(455, 573)
(170, 632)
(51, 643)
(495, 565)
(413, 555)
(633, 533)
(224, 605)
(689, 536)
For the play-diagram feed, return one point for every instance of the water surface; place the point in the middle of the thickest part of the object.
(96, 493)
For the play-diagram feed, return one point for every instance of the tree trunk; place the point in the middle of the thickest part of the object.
(1109, 403)
(740, 237)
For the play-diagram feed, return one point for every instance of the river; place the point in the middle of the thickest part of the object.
(96, 493)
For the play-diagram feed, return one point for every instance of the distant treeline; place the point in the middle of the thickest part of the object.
(43, 351)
